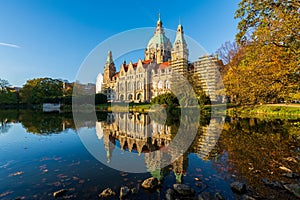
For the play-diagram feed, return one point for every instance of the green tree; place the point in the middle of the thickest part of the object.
(3, 85)
(100, 98)
(168, 99)
(36, 91)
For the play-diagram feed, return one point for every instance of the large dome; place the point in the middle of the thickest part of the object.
(159, 40)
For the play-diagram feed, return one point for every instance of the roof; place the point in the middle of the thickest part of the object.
(159, 40)
(117, 74)
(164, 65)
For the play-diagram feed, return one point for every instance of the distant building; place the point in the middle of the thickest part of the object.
(145, 79)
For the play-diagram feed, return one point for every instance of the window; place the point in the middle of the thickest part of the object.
(139, 85)
(130, 88)
(159, 85)
(167, 84)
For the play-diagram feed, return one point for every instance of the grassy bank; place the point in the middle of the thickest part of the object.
(281, 111)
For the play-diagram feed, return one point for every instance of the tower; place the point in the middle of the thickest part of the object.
(109, 70)
(180, 53)
(159, 46)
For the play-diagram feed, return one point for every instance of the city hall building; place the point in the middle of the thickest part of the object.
(145, 79)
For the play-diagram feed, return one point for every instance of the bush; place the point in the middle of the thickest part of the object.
(168, 99)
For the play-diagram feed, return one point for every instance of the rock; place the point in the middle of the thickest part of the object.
(124, 191)
(150, 183)
(170, 194)
(238, 187)
(273, 184)
(59, 193)
(207, 196)
(134, 191)
(183, 189)
(107, 193)
(219, 196)
(246, 197)
(290, 175)
(293, 188)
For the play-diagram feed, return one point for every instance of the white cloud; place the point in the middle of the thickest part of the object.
(9, 45)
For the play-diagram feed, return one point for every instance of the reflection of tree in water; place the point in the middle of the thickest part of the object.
(254, 149)
(6, 118)
(45, 123)
(4, 126)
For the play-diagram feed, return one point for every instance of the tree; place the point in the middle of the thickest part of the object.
(36, 91)
(279, 17)
(100, 98)
(3, 85)
(168, 99)
(269, 69)
(227, 51)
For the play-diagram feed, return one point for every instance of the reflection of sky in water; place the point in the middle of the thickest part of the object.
(39, 164)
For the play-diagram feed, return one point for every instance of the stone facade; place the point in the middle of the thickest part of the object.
(145, 79)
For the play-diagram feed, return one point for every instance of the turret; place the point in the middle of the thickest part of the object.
(180, 49)
(180, 53)
(109, 68)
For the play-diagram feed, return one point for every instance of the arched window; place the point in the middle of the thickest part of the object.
(129, 86)
(139, 96)
(139, 127)
(139, 85)
(121, 86)
(159, 85)
(167, 84)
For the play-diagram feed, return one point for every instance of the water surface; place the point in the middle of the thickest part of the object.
(41, 153)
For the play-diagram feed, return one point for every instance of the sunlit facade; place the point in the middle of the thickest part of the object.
(145, 79)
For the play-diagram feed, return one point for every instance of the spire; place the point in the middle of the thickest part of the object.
(109, 59)
(180, 49)
(179, 35)
(159, 23)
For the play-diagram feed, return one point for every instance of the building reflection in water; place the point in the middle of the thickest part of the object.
(137, 133)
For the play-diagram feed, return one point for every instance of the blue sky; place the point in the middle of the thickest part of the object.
(51, 38)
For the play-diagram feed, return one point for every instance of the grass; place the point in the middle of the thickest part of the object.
(267, 111)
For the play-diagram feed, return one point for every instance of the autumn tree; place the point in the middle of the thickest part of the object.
(269, 71)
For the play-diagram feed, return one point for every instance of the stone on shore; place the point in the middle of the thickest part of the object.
(170, 194)
(207, 196)
(107, 193)
(238, 187)
(124, 191)
(183, 189)
(150, 183)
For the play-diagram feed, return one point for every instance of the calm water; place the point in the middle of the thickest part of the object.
(41, 153)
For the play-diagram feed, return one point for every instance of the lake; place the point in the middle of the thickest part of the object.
(41, 153)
